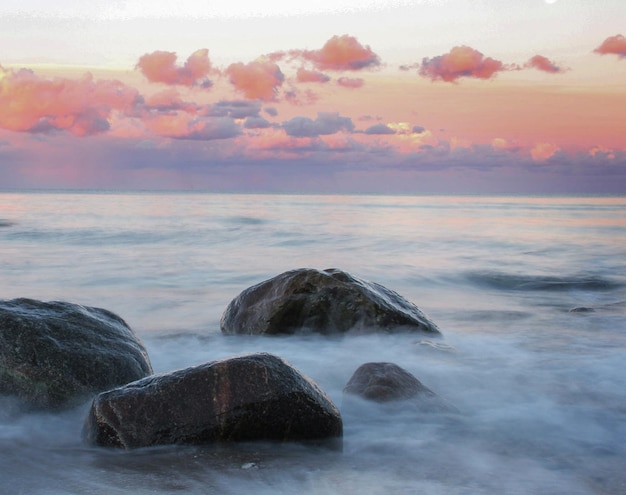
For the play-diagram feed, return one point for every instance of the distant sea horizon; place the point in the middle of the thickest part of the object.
(496, 194)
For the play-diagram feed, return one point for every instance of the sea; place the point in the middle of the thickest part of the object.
(529, 294)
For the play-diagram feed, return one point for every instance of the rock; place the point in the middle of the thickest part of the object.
(384, 382)
(582, 309)
(243, 398)
(388, 382)
(327, 302)
(57, 354)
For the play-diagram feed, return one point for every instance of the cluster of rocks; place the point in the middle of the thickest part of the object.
(58, 354)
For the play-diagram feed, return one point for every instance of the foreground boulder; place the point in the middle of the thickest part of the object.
(388, 382)
(56, 354)
(250, 397)
(321, 301)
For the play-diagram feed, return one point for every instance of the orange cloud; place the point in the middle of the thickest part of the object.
(304, 76)
(29, 103)
(543, 151)
(259, 79)
(504, 144)
(613, 45)
(160, 66)
(461, 61)
(602, 151)
(341, 53)
(348, 82)
(542, 63)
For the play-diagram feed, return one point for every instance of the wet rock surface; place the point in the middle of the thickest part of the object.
(388, 382)
(58, 354)
(251, 397)
(384, 382)
(321, 301)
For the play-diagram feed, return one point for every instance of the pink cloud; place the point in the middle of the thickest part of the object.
(160, 66)
(341, 53)
(183, 126)
(461, 61)
(304, 76)
(298, 97)
(259, 79)
(325, 123)
(543, 63)
(613, 45)
(352, 83)
(379, 129)
(235, 109)
(169, 99)
(29, 103)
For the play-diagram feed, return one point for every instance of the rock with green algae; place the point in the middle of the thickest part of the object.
(321, 301)
(58, 354)
(250, 397)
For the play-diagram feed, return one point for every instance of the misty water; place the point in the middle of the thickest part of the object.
(529, 293)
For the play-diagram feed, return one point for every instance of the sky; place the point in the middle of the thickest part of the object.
(332, 96)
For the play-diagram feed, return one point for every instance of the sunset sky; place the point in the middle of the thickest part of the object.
(341, 96)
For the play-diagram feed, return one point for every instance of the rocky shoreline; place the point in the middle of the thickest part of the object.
(59, 355)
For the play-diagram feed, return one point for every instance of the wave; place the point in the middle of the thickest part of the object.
(517, 282)
(88, 237)
(246, 220)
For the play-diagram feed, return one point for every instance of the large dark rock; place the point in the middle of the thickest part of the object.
(321, 301)
(55, 354)
(388, 382)
(250, 397)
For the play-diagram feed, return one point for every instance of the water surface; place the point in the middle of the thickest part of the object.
(529, 293)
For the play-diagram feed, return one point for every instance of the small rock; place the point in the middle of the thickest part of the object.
(582, 309)
(388, 382)
(384, 382)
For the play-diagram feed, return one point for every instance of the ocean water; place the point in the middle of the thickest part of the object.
(529, 293)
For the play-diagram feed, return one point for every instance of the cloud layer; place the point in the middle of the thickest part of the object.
(261, 112)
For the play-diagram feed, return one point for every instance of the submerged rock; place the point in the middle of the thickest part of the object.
(582, 309)
(321, 301)
(55, 354)
(250, 397)
(388, 382)
(384, 382)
